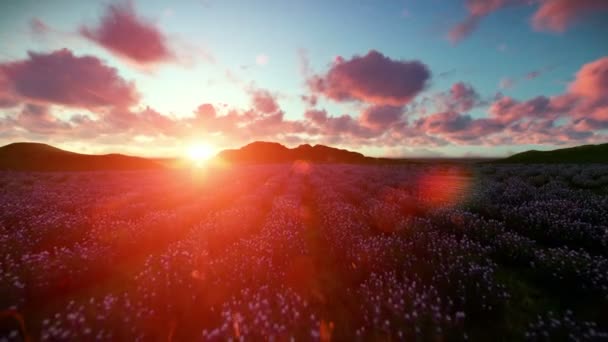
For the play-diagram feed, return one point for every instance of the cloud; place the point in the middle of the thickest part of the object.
(339, 127)
(544, 132)
(373, 78)
(206, 118)
(145, 121)
(377, 125)
(587, 96)
(591, 81)
(459, 128)
(37, 119)
(380, 117)
(481, 8)
(126, 35)
(264, 101)
(477, 9)
(243, 125)
(583, 107)
(463, 97)
(508, 110)
(578, 114)
(551, 15)
(39, 27)
(557, 15)
(463, 29)
(510, 82)
(445, 122)
(318, 117)
(310, 100)
(7, 96)
(60, 77)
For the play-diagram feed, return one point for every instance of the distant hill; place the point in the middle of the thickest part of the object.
(586, 154)
(24, 156)
(272, 152)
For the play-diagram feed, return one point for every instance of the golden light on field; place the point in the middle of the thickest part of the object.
(199, 153)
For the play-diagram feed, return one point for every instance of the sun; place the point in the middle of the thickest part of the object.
(199, 153)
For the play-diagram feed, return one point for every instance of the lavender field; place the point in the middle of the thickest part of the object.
(306, 252)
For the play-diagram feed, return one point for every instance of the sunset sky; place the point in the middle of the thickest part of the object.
(405, 78)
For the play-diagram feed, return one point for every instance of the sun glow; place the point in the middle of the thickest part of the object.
(199, 153)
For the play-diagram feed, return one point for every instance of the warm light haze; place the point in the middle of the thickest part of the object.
(304, 170)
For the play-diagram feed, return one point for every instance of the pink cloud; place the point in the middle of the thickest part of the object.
(591, 81)
(477, 9)
(317, 117)
(338, 127)
(587, 96)
(509, 110)
(206, 111)
(557, 15)
(380, 117)
(480, 8)
(310, 100)
(518, 122)
(264, 101)
(125, 34)
(60, 77)
(463, 97)
(463, 29)
(146, 121)
(577, 115)
(343, 124)
(37, 26)
(206, 118)
(551, 15)
(478, 132)
(445, 122)
(584, 106)
(244, 125)
(373, 78)
(270, 125)
(458, 128)
(510, 82)
(7, 96)
(37, 119)
(546, 132)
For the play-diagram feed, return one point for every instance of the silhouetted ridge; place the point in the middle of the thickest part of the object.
(25, 156)
(585, 154)
(272, 152)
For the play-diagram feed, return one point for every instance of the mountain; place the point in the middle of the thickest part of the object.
(585, 154)
(24, 156)
(271, 152)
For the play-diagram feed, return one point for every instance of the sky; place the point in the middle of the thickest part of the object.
(432, 78)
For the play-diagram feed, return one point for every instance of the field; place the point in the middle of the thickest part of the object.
(313, 252)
